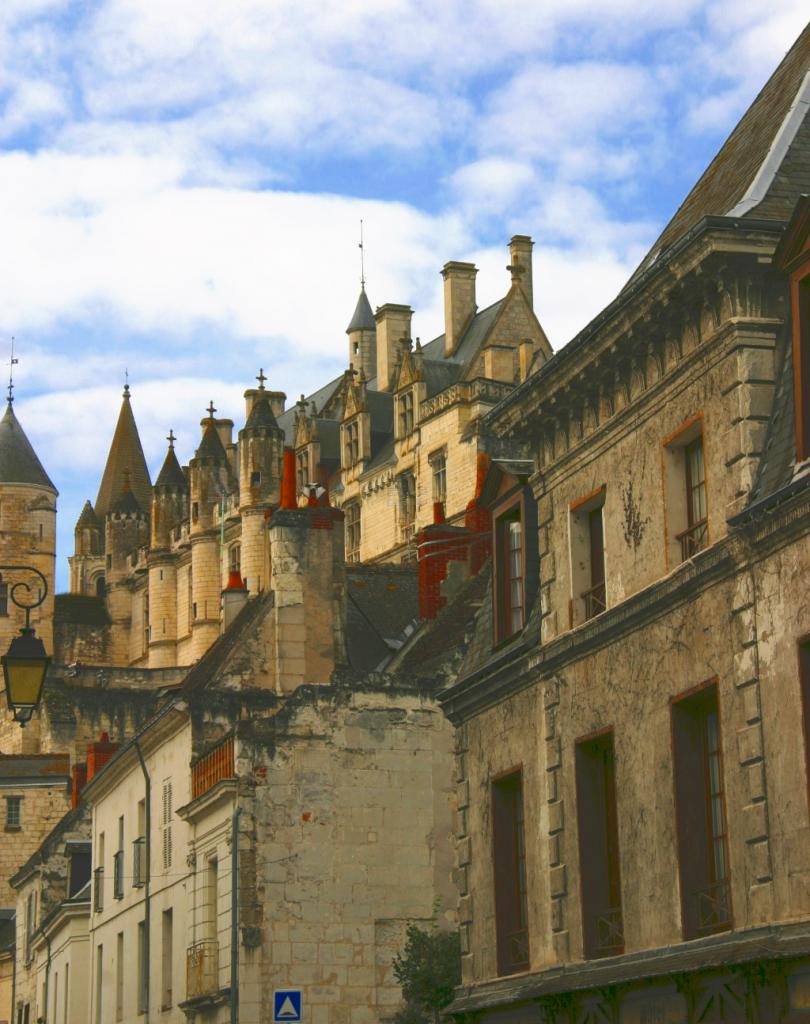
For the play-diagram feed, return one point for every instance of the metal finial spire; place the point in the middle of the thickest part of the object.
(261, 379)
(211, 410)
(11, 364)
(362, 254)
(126, 382)
(171, 439)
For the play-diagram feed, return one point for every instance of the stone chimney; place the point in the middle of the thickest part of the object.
(459, 302)
(520, 264)
(306, 637)
(393, 327)
(234, 598)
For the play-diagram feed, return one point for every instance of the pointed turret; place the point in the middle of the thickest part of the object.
(88, 532)
(169, 498)
(18, 460)
(126, 454)
(362, 332)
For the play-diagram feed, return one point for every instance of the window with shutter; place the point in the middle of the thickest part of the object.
(167, 825)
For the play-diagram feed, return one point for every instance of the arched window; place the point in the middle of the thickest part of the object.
(101, 585)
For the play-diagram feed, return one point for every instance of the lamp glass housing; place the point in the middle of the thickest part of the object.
(24, 667)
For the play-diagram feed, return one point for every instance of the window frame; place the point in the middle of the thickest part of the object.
(517, 501)
(406, 419)
(679, 526)
(592, 601)
(688, 722)
(351, 442)
(508, 889)
(437, 461)
(13, 820)
(352, 530)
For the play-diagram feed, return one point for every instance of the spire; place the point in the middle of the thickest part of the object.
(11, 364)
(125, 453)
(88, 518)
(18, 460)
(363, 317)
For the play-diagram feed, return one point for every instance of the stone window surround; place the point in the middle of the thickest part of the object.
(13, 821)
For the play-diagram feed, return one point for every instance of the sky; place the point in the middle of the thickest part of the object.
(181, 183)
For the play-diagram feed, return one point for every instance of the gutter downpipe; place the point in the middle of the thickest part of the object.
(235, 916)
(148, 857)
(47, 981)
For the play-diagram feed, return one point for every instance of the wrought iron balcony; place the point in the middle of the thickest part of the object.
(609, 933)
(594, 598)
(693, 539)
(517, 945)
(139, 862)
(713, 907)
(202, 968)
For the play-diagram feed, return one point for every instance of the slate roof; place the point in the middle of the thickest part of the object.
(362, 318)
(171, 475)
(28, 767)
(474, 336)
(80, 817)
(382, 601)
(765, 162)
(125, 458)
(18, 460)
(778, 457)
(211, 445)
(126, 503)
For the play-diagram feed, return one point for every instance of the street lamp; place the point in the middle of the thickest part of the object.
(25, 663)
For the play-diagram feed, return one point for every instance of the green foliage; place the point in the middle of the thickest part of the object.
(428, 969)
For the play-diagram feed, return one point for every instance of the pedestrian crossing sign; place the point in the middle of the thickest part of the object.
(287, 1006)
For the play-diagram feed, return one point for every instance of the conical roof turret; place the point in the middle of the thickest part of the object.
(88, 518)
(126, 456)
(261, 415)
(126, 503)
(211, 446)
(171, 475)
(18, 460)
(363, 317)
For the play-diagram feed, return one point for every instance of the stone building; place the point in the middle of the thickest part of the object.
(384, 439)
(632, 697)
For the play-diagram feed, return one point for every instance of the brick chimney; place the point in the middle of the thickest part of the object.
(393, 327)
(99, 753)
(520, 263)
(459, 302)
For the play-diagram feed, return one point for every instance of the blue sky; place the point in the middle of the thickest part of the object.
(181, 182)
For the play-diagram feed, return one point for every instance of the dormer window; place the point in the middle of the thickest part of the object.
(302, 473)
(405, 409)
(352, 514)
(407, 503)
(352, 443)
(510, 573)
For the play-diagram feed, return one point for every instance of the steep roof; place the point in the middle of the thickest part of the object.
(211, 444)
(261, 415)
(126, 502)
(362, 318)
(125, 457)
(18, 460)
(382, 603)
(171, 475)
(88, 518)
(765, 162)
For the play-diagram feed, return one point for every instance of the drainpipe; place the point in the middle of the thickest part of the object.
(14, 973)
(148, 857)
(235, 916)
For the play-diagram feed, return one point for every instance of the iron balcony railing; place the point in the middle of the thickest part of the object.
(118, 875)
(713, 907)
(692, 539)
(609, 933)
(594, 599)
(202, 968)
(98, 889)
(517, 944)
(139, 862)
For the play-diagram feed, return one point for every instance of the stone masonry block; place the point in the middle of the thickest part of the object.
(551, 693)
(463, 793)
(555, 817)
(743, 596)
(754, 822)
(553, 754)
(750, 701)
(551, 723)
(557, 915)
(745, 666)
(465, 909)
(749, 744)
(559, 942)
(755, 777)
(557, 881)
(554, 850)
(545, 510)
(552, 785)
(465, 851)
(758, 861)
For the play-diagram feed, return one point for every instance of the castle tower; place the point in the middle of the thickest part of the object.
(169, 509)
(362, 332)
(261, 446)
(126, 528)
(211, 480)
(27, 531)
(124, 460)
